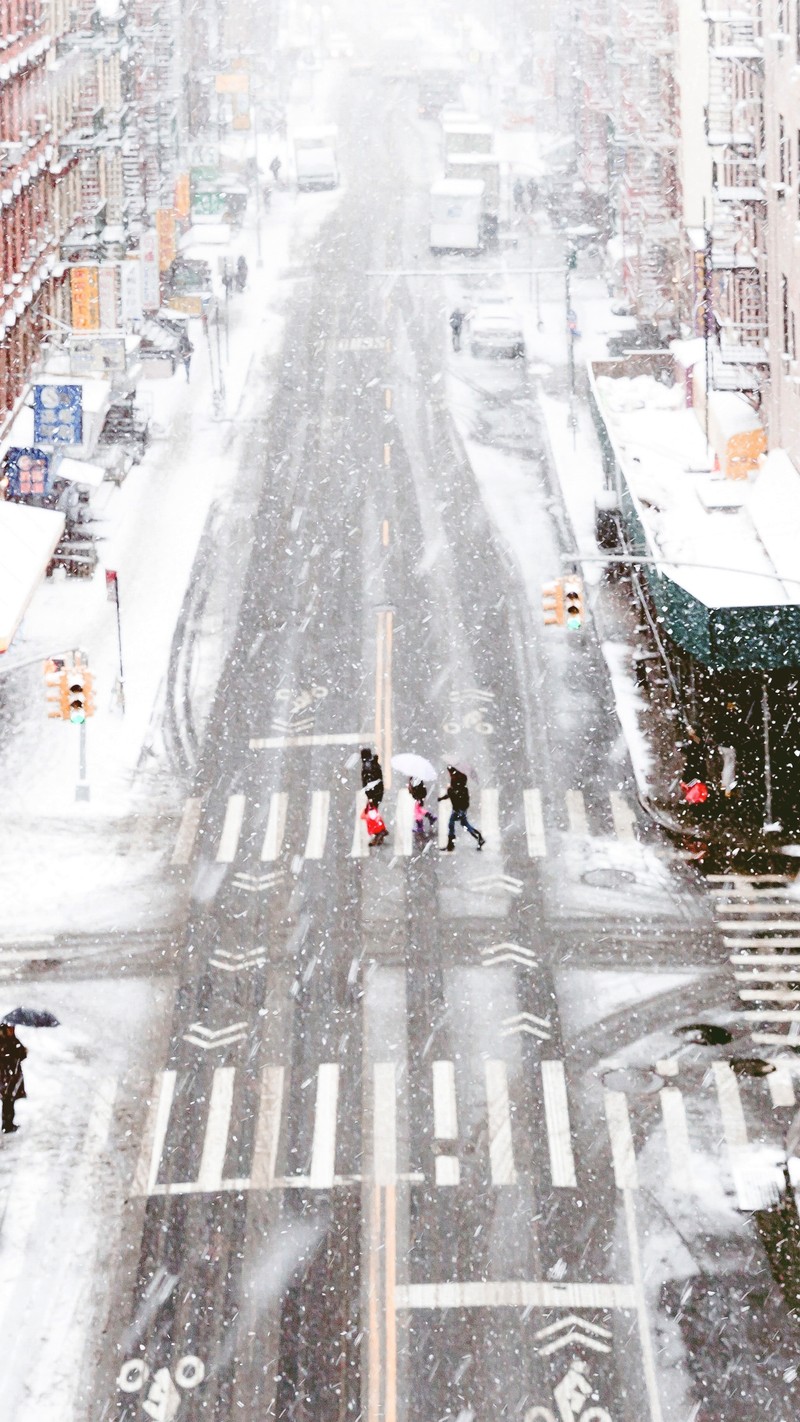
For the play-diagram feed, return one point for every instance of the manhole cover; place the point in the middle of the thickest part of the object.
(751, 1066)
(608, 878)
(636, 1081)
(704, 1034)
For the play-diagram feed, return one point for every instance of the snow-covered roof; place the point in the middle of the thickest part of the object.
(729, 543)
(28, 538)
(458, 187)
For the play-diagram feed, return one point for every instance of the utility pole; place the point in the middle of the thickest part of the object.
(707, 313)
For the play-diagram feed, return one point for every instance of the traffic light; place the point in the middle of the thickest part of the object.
(573, 604)
(553, 603)
(55, 680)
(79, 690)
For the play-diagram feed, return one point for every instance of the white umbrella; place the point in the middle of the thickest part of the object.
(416, 767)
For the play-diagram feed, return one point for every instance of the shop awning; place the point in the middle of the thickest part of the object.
(28, 539)
(80, 471)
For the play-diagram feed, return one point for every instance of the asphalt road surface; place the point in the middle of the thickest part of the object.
(387, 1171)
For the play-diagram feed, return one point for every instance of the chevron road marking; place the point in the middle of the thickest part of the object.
(231, 829)
(559, 1135)
(208, 1038)
(534, 824)
(525, 1022)
(257, 883)
(187, 831)
(318, 824)
(276, 825)
(572, 1331)
(236, 960)
(508, 953)
(504, 882)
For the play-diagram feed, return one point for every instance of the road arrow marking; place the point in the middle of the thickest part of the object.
(573, 1330)
(257, 883)
(234, 962)
(508, 953)
(527, 1022)
(503, 882)
(207, 1037)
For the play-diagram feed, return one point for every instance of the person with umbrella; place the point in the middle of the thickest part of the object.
(419, 771)
(371, 776)
(12, 1085)
(458, 795)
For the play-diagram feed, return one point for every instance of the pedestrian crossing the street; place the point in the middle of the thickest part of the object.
(511, 1150)
(759, 918)
(325, 826)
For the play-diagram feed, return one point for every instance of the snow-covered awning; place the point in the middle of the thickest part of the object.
(80, 471)
(28, 539)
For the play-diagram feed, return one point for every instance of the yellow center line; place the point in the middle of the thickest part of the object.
(385, 533)
(390, 1258)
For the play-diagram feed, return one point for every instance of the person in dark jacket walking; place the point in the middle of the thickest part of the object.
(12, 1085)
(371, 776)
(241, 274)
(458, 795)
(456, 323)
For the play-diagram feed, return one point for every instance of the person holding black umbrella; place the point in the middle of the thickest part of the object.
(12, 1085)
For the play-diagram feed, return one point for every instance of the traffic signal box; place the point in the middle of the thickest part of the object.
(70, 690)
(553, 603)
(573, 604)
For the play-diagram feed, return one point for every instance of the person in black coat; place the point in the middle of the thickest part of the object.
(12, 1085)
(371, 775)
(458, 795)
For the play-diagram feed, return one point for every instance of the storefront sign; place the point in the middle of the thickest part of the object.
(58, 414)
(28, 473)
(182, 195)
(85, 296)
(107, 293)
(151, 278)
(97, 355)
(130, 292)
(167, 238)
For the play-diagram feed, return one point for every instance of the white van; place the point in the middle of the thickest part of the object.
(456, 215)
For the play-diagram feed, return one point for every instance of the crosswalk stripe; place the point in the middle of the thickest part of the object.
(623, 816)
(755, 1184)
(489, 822)
(442, 823)
(501, 1151)
(779, 995)
(155, 1133)
(534, 824)
(268, 1128)
(445, 1113)
(763, 925)
(576, 812)
(619, 1132)
(730, 1105)
(679, 1150)
(215, 1142)
(384, 1124)
(760, 959)
(781, 1087)
(187, 830)
(276, 825)
(323, 1145)
(404, 822)
(318, 824)
(231, 829)
(360, 846)
(759, 907)
(556, 1111)
(446, 1170)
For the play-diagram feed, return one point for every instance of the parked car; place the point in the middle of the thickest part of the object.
(492, 330)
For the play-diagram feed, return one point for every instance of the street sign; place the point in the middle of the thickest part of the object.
(96, 354)
(58, 414)
(28, 473)
(85, 298)
(111, 585)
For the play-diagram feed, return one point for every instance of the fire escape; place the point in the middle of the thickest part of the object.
(647, 137)
(735, 126)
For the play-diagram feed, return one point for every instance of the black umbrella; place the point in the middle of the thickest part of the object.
(30, 1017)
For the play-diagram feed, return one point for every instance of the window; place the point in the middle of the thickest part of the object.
(782, 156)
(785, 304)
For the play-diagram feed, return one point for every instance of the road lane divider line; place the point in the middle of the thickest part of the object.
(384, 1123)
(676, 1129)
(187, 830)
(323, 1145)
(343, 738)
(268, 1129)
(534, 824)
(155, 1133)
(231, 829)
(576, 812)
(640, 1304)
(374, 1350)
(619, 1133)
(501, 1150)
(276, 825)
(623, 817)
(215, 1141)
(360, 846)
(318, 824)
(390, 1268)
(404, 823)
(559, 1133)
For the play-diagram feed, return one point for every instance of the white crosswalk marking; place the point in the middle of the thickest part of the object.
(534, 824)
(489, 822)
(443, 811)
(231, 829)
(501, 1151)
(677, 1133)
(155, 1133)
(404, 822)
(781, 1087)
(268, 1129)
(323, 1145)
(318, 824)
(276, 825)
(619, 1133)
(445, 1116)
(559, 1137)
(187, 831)
(360, 846)
(215, 1142)
(384, 1124)
(576, 812)
(623, 817)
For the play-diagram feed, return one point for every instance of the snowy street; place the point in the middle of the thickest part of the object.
(339, 1131)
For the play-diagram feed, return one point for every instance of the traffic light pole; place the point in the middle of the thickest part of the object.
(82, 787)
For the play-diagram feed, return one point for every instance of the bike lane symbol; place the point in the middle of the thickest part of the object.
(163, 1400)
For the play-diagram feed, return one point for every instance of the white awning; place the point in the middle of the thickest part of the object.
(28, 539)
(79, 471)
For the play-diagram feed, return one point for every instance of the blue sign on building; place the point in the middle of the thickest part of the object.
(28, 473)
(58, 414)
